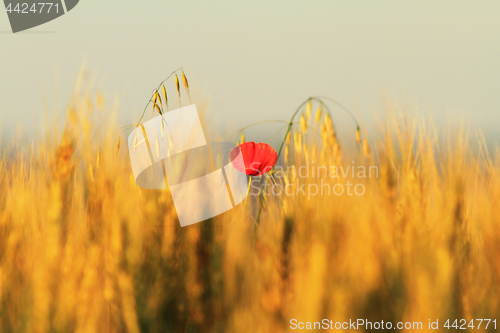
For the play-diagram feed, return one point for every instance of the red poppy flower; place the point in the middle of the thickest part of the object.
(258, 158)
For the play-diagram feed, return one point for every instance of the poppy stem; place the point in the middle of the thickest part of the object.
(248, 191)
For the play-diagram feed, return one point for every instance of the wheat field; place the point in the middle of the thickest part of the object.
(83, 249)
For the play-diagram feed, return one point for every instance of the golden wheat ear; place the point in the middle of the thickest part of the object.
(366, 148)
(98, 159)
(154, 103)
(178, 88)
(303, 124)
(160, 106)
(165, 97)
(186, 85)
(318, 115)
(158, 99)
(118, 145)
(308, 111)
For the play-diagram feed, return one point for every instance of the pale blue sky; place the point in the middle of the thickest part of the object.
(257, 60)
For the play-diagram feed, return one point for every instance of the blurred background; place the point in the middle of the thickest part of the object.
(253, 61)
(84, 249)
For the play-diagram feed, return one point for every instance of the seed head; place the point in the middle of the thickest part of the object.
(98, 159)
(323, 131)
(303, 124)
(366, 148)
(328, 123)
(308, 111)
(185, 81)
(318, 114)
(297, 141)
(177, 85)
(157, 107)
(186, 85)
(165, 97)
(158, 98)
(118, 144)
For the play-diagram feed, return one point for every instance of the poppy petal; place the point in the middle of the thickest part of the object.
(258, 158)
